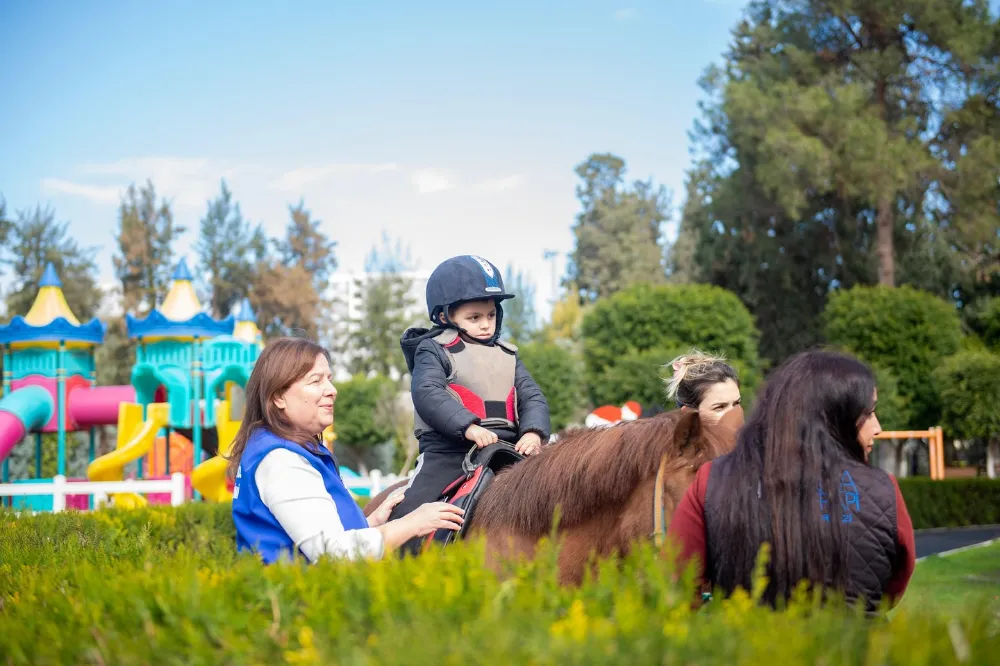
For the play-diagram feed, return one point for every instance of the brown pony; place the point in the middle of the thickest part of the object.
(603, 482)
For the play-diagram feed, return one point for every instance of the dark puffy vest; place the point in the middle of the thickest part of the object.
(868, 510)
(482, 379)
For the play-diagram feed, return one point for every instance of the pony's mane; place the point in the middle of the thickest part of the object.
(588, 470)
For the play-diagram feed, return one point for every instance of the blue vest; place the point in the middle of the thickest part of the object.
(257, 529)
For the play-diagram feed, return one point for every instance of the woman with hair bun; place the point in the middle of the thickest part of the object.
(704, 383)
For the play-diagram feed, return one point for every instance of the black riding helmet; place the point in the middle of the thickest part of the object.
(462, 279)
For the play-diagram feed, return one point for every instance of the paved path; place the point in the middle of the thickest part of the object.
(931, 542)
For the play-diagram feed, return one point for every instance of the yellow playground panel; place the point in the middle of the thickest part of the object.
(135, 439)
(209, 478)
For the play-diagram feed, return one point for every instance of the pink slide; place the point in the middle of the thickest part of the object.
(98, 405)
(30, 407)
(22, 411)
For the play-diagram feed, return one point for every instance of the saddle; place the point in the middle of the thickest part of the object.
(480, 468)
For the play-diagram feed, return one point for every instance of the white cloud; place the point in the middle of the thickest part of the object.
(627, 14)
(95, 193)
(297, 179)
(501, 184)
(187, 181)
(427, 181)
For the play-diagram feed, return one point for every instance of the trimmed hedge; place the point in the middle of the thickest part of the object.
(633, 332)
(144, 587)
(951, 502)
(904, 330)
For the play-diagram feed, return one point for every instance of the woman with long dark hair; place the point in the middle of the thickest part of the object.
(799, 480)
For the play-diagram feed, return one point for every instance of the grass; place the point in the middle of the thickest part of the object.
(955, 582)
(165, 586)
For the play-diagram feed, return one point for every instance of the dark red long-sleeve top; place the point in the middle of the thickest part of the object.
(687, 530)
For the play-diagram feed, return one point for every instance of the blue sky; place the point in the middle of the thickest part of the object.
(454, 126)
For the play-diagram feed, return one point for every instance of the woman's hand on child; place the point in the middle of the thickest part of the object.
(380, 515)
(480, 435)
(435, 516)
(529, 444)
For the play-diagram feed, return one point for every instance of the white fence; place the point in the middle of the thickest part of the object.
(59, 488)
(375, 482)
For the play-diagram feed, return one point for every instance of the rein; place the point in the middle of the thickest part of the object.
(659, 511)
(660, 517)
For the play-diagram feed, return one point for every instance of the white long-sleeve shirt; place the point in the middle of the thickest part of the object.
(294, 492)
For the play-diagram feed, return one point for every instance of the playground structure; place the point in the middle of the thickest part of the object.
(187, 381)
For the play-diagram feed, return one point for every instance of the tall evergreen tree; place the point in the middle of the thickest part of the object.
(145, 259)
(229, 251)
(618, 232)
(33, 240)
(306, 245)
(290, 294)
(386, 308)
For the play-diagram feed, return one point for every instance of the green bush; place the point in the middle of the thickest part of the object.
(903, 330)
(951, 502)
(644, 326)
(557, 370)
(638, 375)
(107, 591)
(970, 395)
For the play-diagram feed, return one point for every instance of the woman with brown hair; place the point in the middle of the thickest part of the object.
(798, 479)
(288, 497)
(704, 383)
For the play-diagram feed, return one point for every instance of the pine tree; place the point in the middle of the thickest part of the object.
(145, 260)
(619, 231)
(387, 308)
(290, 292)
(35, 239)
(230, 251)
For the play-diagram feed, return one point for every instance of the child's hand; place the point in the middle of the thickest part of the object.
(480, 435)
(529, 444)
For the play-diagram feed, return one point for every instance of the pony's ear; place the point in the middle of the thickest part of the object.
(688, 426)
